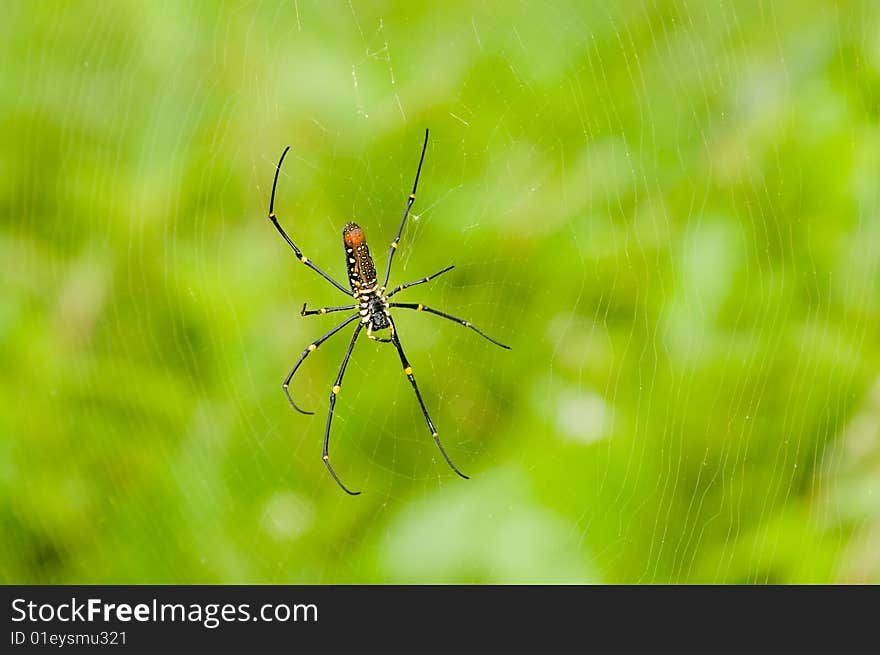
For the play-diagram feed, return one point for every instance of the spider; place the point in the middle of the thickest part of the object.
(372, 304)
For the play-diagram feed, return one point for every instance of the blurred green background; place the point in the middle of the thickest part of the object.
(669, 209)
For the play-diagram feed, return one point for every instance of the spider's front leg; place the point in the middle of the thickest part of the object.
(312, 347)
(408, 371)
(333, 393)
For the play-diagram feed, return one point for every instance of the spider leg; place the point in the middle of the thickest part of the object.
(305, 260)
(409, 204)
(467, 324)
(401, 287)
(333, 393)
(324, 310)
(305, 353)
(379, 339)
(407, 369)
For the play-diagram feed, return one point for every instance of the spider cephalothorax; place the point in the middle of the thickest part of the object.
(373, 309)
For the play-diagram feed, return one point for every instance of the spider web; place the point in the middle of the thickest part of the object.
(668, 210)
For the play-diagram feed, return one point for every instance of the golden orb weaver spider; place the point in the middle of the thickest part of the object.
(372, 305)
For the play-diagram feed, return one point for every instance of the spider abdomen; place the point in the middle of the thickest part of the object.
(358, 262)
(362, 277)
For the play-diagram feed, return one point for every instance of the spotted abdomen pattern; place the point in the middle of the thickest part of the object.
(373, 307)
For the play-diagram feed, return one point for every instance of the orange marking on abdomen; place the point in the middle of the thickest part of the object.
(353, 235)
(361, 271)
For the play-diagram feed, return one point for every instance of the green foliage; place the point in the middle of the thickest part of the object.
(669, 210)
